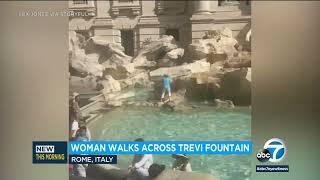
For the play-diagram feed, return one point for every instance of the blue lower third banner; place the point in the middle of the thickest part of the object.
(160, 147)
(49, 152)
(92, 159)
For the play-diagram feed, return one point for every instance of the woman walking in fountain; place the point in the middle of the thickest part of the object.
(181, 162)
(166, 87)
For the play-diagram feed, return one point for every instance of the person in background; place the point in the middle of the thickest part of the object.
(166, 86)
(140, 165)
(73, 121)
(81, 134)
(155, 170)
(82, 124)
(75, 106)
(80, 169)
(74, 114)
(181, 162)
(74, 128)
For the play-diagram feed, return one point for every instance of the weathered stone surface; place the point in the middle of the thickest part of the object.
(138, 80)
(115, 59)
(180, 76)
(223, 103)
(119, 96)
(235, 86)
(175, 54)
(165, 62)
(86, 63)
(110, 85)
(177, 71)
(106, 49)
(197, 50)
(225, 45)
(177, 102)
(76, 41)
(118, 70)
(170, 106)
(97, 50)
(219, 42)
(239, 63)
(113, 94)
(226, 32)
(216, 33)
(179, 96)
(79, 60)
(181, 71)
(96, 40)
(159, 104)
(114, 103)
(84, 85)
(213, 57)
(111, 56)
(198, 66)
(215, 68)
(172, 58)
(241, 59)
(153, 51)
(227, 83)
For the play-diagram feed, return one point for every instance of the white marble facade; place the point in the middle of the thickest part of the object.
(149, 19)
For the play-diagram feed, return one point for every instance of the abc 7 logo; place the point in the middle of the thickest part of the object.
(274, 150)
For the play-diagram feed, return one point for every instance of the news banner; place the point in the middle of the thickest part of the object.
(98, 152)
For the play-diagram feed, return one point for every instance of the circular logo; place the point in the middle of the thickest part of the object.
(276, 148)
(263, 155)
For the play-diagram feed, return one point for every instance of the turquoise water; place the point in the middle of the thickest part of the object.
(205, 123)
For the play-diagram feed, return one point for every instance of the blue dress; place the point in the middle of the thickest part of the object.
(166, 83)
